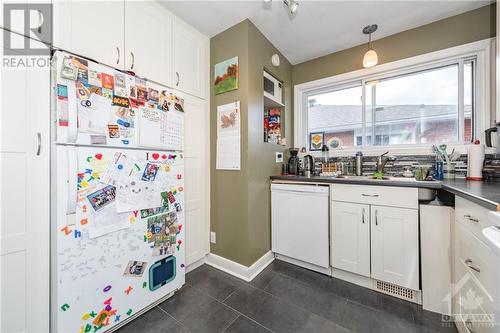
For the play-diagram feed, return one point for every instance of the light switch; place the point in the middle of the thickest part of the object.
(279, 157)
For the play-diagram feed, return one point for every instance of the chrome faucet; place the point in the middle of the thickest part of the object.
(381, 162)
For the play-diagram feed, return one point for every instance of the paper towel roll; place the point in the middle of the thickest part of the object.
(475, 159)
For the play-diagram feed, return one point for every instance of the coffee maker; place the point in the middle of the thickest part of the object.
(293, 162)
(491, 167)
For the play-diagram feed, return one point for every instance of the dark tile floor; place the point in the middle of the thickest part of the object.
(283, 298)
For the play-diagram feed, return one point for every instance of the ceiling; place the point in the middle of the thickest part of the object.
(318, 27)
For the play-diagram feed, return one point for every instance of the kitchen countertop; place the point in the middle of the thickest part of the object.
(482, 193)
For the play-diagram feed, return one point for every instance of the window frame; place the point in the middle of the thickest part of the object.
(480, 51)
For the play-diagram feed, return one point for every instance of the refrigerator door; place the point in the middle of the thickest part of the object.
(100, 106)
(112, 255)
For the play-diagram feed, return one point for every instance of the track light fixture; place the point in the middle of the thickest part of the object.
(291, 4)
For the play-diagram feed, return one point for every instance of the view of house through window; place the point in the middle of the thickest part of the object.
(420, 107)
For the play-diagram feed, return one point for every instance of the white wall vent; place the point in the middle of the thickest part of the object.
(398, 291)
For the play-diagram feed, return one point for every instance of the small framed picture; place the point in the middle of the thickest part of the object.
(316, 141)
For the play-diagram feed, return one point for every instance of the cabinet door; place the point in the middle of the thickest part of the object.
(197, 178)
(24, 198)
(189, 59)
(148, 41)
(92, 29)
(394, 246)
(351, 237)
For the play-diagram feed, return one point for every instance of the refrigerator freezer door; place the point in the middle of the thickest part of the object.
(102, 262)
(101, 106)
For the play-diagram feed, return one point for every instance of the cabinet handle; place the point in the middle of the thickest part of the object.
(376, 217)
(370, 195)
(40, 21)
(117, 55)
(363, 219)
(178, 79)
(39, 148)
(468, 323)
(472, 219)
(468, 262)
(132, 57)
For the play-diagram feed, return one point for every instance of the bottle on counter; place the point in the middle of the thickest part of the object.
(438, 170)
(359, 164)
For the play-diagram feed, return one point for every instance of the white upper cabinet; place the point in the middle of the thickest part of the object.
(138, 36)
(148, 41)
(92, 29)
(190, 54)
(394, 246)
(351, 237)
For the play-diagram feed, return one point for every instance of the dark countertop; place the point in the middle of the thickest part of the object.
(482, 193)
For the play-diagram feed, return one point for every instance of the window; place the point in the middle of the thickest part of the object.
(418, 106)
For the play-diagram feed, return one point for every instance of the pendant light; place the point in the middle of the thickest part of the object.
(370, 58)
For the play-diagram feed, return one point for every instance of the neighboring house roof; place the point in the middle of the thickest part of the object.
(323, 117)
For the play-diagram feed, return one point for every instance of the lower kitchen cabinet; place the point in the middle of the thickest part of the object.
(394, 246)
(351, 237)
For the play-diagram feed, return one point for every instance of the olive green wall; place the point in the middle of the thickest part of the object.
(229, 189)
(456, 30)
(240, 200)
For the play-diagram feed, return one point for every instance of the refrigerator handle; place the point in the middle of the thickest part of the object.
(72, 115)
(72, 179)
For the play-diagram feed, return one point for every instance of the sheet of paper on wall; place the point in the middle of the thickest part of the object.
(228, 153)
(228, 119)
(228, 137)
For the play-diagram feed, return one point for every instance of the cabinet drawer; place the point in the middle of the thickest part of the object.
(477, 269)
(472, 310)
(472, 216)
(404, 197)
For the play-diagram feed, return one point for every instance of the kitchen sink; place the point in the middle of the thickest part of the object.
(424, 194)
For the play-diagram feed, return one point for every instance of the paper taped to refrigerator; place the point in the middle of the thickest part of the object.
(161, 129)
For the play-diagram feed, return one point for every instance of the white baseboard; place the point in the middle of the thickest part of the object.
(238, 270)
(195, 265)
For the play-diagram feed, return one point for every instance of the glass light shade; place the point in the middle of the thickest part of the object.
(370, 58)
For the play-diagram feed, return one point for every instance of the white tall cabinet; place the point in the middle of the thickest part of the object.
(137, 36)
(24, 198)
(197, 176)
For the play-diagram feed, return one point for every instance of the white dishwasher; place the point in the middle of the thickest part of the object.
(299, 222)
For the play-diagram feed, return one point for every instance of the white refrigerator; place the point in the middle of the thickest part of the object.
(117, 204)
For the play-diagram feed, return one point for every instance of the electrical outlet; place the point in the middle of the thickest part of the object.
(212, 237)
(279, 157)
